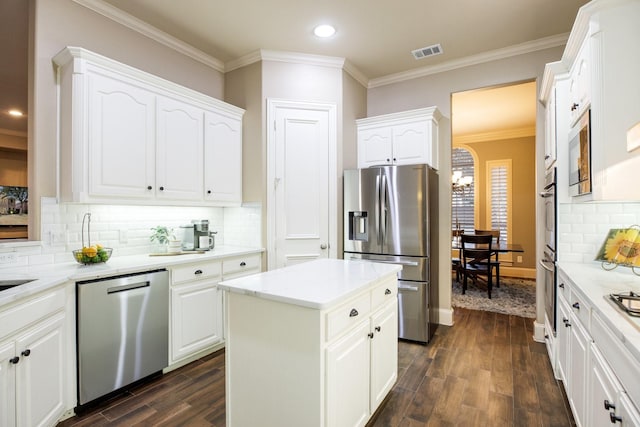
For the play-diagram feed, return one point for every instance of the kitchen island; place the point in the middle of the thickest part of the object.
(313, 344)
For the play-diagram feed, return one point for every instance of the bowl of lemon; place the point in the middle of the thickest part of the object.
(90, 254)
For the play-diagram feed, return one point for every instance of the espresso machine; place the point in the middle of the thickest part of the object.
(196, 236)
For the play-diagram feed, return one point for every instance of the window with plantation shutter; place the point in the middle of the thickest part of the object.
(499, 197)
(462, 199)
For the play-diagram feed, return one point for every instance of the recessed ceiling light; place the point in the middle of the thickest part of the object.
(324, 31)
(15, 113)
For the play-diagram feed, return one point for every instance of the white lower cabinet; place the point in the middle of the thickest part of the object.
(599, 374)
(33, 362)
(196, 309)
(197, 305)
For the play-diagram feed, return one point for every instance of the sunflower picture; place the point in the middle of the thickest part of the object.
(621, 246)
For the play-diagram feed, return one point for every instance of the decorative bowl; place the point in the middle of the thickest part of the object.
(92, 255)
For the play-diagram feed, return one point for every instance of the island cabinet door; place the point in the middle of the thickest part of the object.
(348, 379)
(384, 352)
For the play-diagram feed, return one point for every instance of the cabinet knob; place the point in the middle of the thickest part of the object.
(370, 335)
(243, 264)
(561, 285)
(576, 305)
(323, 246)
(197, 272)
(208, 191)
(26, 353)
(377, 328)
(14, 360)
(161, 188)
(353, 312)
(614, 418)
(546, 336)
(388, 160)
(574, 106)
(608, 405)
(394, 159)
(149, 187)
(566, 322)
(387, 291)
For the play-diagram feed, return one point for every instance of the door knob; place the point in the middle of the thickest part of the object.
(323, 246)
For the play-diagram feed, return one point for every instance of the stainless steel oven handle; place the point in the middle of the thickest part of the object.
(543, 264)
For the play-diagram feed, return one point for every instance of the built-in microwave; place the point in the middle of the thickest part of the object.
(580, 156)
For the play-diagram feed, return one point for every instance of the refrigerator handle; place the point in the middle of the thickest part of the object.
(377, 208)
(383, 209)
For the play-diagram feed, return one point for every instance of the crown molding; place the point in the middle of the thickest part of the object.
(151, 32)
(495, 135)
(297, 58)
(493, 55)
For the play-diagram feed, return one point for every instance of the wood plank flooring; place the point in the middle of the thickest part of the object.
(484, 371)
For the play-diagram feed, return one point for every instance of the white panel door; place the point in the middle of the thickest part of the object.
(384, 352)
(121, 139)
(179, 159)
(301, 184)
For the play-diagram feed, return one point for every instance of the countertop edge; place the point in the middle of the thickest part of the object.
(51, 275)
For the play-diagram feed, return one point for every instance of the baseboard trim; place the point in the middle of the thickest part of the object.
(538, 331)
(445, 316)
(523, 273)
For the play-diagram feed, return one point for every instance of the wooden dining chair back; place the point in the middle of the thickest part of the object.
(495, 263)
(456, 264)
(476, 256)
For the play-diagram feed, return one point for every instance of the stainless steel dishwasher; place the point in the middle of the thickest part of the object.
(122, 331)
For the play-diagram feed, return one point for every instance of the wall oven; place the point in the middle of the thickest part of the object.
(580, 156)
(548, 260)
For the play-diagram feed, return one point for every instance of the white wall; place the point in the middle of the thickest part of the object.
(436, 90)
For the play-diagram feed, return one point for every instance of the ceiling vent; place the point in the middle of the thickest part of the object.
(423, 52)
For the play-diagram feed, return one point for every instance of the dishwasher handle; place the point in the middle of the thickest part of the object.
(128, 287)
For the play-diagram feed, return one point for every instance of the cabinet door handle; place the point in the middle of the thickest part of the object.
(26, 353)
(370, 335)
(561, 285)
(353, 312)
(197, 272)
(14, 360)
(576, 305)
(387, 291)
(377, 328)
(566, 322)
(149, 187)
(574, 106)
(388, 160)
(614, 418)
(161, 188)
(608, 405)
(243, 264)
(208, 191)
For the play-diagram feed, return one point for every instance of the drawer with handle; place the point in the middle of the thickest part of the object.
(201, 270)
(347, 315)
(240, 266)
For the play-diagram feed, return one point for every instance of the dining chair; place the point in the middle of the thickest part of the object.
(476, 256)
(455, 262)
(495, 264)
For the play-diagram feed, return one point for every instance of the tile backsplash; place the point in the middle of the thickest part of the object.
(126, 229)
(582, 227)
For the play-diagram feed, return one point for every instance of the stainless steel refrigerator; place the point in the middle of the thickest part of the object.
(391, 215)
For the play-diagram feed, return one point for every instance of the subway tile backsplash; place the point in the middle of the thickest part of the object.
(582, 227)
(127, 229)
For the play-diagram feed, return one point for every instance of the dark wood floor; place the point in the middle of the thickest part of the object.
(484, 371)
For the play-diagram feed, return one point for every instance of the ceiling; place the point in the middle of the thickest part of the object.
(374, 36)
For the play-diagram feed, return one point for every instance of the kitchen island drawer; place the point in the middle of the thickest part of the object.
(201, 270)
(383, 293)
(347, 315)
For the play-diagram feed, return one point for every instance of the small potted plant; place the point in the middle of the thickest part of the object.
(161, 236)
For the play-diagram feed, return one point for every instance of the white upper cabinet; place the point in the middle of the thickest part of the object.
(405, 138)
(601, 73)
(179, 150)
(222, 158)
(130, 137)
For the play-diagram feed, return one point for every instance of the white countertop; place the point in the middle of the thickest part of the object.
(317, 284)
(51, 275)
(595, 284)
